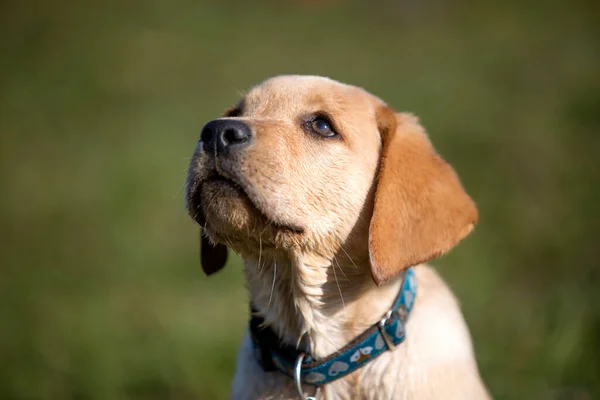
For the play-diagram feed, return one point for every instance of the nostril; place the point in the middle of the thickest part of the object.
(207, 135)
(232, 135)
(218, 135)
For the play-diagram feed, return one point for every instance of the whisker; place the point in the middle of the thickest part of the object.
(340, 267)
(259, 254)
(228, 241)
(184, 171)
(179, 191)
(348, 255)
(338, 285)
(273, 285)
(267, 225)
(197, 212)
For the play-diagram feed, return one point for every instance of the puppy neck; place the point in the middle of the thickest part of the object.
(332, 300)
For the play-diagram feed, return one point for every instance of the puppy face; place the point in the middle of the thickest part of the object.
(304, 174)
(305, 163)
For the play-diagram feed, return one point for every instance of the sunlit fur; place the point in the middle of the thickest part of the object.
(301, 219)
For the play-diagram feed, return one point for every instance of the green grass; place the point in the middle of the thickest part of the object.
(101, 103)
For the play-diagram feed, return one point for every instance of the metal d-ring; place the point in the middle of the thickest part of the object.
(381, 325)
(298, 380)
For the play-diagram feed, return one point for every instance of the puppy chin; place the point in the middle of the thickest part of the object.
(226, 212)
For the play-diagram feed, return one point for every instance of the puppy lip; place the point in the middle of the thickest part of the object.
(194, 203)
(216, 177)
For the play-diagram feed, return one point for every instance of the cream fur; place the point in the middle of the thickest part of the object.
(435, 362)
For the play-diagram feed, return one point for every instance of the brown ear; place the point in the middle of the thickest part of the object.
(421, 209)
(212, 256)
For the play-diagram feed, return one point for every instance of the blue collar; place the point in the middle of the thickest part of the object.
(384, 335)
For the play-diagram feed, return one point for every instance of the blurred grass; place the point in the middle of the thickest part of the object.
(101, 294)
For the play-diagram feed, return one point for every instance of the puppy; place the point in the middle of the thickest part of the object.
(334, 201)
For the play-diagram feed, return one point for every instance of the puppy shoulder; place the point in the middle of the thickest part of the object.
(437, 325)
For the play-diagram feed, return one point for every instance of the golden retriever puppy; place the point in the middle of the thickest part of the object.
(334, 201)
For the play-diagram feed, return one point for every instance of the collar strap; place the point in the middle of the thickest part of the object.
(384, 335)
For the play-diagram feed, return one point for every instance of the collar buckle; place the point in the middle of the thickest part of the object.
(381, 325)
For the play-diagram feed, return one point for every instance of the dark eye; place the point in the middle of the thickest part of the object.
(321, 126)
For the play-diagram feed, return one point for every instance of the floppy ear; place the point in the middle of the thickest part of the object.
(212, 256)
(421, 209)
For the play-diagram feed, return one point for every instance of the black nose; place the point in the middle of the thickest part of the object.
(224, 134)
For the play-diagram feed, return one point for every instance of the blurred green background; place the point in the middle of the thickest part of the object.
(101, 104)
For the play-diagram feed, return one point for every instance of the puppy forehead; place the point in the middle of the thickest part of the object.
(289, 95)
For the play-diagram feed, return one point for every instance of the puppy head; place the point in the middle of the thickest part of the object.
(308, 163)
